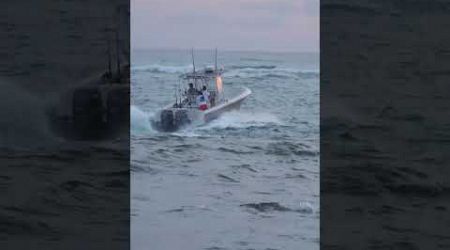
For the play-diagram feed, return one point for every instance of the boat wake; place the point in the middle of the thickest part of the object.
(230, 121)
(241, 120)
(141, 123)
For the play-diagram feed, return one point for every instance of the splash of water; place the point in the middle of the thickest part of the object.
(22, 125)
(140, 121)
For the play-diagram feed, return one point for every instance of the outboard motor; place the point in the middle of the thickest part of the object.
(118, 107)
(167, 120)
(173, 119)
(181, 118)
(87, 111)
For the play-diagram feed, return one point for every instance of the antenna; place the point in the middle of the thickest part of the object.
(179, 93)
(117, 52)
(215, 64)
(193, 64)
(109, 59)
(176, 96)
(193, 61)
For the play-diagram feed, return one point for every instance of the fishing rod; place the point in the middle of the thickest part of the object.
(118, 52)
(109, 59)
(193, 60)
(193, 65)
(215, 64)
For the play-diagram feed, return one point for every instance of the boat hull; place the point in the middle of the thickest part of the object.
(229, 105)
(172, 119)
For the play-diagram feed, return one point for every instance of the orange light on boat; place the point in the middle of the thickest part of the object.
(219, 84)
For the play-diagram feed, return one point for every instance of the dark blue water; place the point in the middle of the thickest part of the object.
(249, 180)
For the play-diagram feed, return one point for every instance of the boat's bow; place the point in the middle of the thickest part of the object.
(227, 105)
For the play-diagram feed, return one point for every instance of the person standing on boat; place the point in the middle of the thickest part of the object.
(191, 93)
(202, 104)
(191, 90)
(206, 94)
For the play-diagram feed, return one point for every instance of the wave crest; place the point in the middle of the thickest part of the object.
(268, 72)
(240, 71)
(162, 69)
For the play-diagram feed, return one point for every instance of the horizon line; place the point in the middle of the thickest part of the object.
(226, 50)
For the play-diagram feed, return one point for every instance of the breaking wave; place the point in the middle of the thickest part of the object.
(164, 69)
(253, 67)
(240, 71)
(269, 72)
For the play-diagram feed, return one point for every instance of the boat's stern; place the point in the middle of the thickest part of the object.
(172, 119)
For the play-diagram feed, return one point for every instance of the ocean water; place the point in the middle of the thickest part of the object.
(248, 180)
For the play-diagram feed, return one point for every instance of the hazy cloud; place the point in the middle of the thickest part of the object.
(233, 24)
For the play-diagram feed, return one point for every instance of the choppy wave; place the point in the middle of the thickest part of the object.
(258, 164)
(264, 207)
(288, 148)
(266, 72)
(239, 71)
(253, 59)
(157, 68)
(253, 67)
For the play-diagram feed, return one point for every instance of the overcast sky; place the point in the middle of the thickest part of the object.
(270, 25)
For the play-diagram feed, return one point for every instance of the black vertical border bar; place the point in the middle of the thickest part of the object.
(385, 130)
(64, 124)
